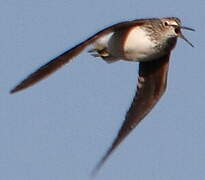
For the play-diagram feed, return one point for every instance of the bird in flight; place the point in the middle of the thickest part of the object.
(147, 41)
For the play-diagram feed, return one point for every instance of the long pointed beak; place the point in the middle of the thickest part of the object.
(187, 28)
(183, 37)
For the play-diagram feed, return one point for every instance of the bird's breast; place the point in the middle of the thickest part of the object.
(138, 45)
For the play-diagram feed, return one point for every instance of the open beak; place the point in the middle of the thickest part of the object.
(183, 37)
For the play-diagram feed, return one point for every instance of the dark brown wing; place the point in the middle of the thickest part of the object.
(151, 86)
(64, 58)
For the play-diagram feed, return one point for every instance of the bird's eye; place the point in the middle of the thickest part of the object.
(166, 23)
(177, 30)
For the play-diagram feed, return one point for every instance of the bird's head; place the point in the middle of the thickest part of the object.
(172, 28)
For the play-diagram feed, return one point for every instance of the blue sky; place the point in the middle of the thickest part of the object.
(61, 127)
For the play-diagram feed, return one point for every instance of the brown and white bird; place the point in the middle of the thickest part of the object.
(147, 41)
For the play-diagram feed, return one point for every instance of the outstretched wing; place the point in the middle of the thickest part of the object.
(64, 58)
(151, 86)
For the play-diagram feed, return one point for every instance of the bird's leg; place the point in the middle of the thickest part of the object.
(104, 54)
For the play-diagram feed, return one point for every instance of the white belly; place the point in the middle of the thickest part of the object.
(138, 46)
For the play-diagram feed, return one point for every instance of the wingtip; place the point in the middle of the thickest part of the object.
(96, 169)
(94, 173)
(99, 165)
(13, 91)
(16, 89)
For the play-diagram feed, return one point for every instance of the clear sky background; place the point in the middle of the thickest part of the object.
(61, 127)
